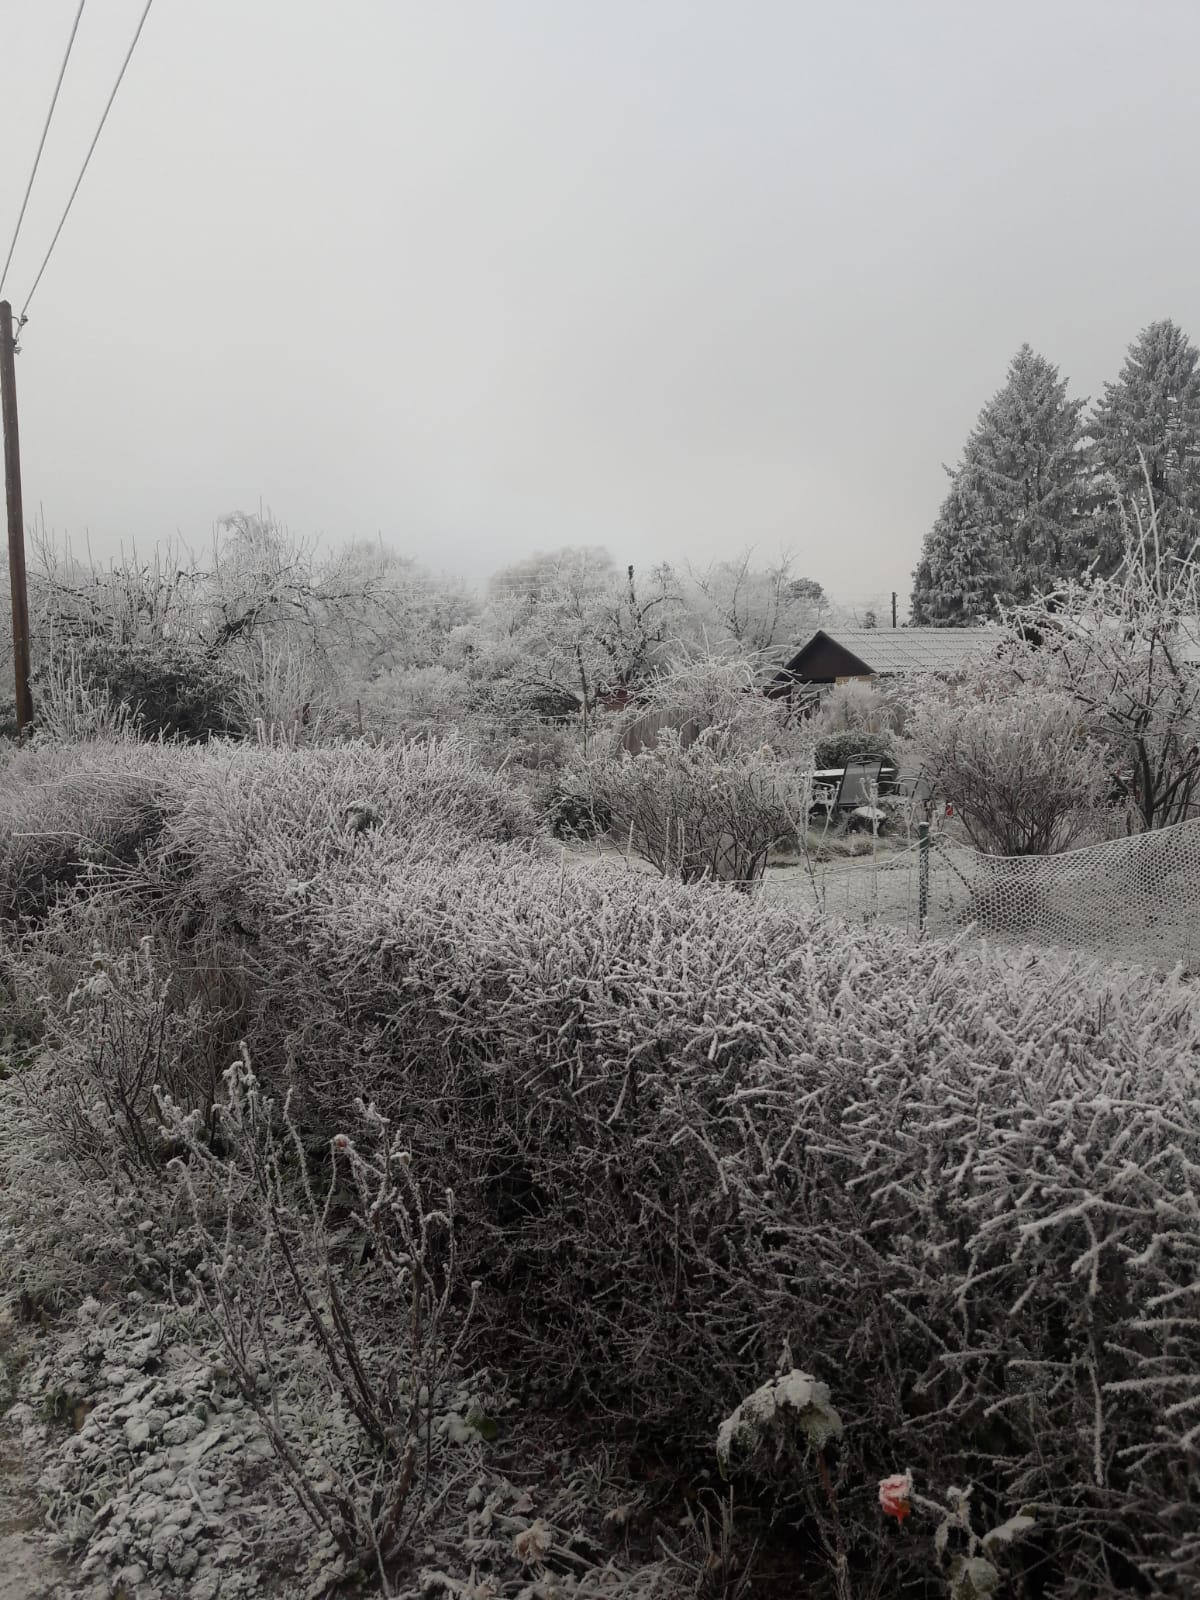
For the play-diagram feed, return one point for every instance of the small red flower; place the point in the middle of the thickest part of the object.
(894, 1495)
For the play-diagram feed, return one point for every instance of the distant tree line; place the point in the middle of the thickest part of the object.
(1044, 487)
(265, 630)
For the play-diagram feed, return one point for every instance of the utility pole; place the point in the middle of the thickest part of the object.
(16, 517)
(893, 608)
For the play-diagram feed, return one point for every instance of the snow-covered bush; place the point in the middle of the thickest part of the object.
(704, 774)
(170, 687)
(280, 689)
(265, 820)
(699, 810)
(71, 812)
(1126, 648)
(859, 706)
(848, 744)
(1016, 760)
(716, 696)
(526, 748)
(415, 702)
(683, 1129)
(72, 705)
(386, 1333)
(616, 1075)
(568, 810)
(125, 1036)
(65, 1231)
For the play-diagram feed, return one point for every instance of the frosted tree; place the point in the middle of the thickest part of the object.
(758, 612)
(1127, 649)
(961, 568)
(264, 626)
(1011, 522)
(561, 629)
(1151, 413)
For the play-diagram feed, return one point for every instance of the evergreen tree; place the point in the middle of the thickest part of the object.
(1151, 414)
(961, 570)
(1011, 522)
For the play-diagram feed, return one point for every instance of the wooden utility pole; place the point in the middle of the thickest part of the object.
(893, 608)
(16, 517)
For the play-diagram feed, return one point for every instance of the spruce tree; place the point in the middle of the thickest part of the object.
(1151, 414)
(961, 569)
(1011, 522)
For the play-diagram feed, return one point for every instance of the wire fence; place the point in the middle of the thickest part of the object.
(1135, 899)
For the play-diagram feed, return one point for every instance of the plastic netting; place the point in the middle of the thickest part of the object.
(1134, 899)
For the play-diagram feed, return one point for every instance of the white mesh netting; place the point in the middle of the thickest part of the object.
(1135, 899)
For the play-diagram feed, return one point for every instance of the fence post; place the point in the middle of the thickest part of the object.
(922, 875)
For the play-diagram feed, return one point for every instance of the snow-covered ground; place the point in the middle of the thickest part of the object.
(27, 1570)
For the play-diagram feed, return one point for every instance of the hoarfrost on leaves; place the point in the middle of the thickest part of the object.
(796, 1399)
(973, 1578)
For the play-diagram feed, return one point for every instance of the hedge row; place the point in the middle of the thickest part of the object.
(691, 1137)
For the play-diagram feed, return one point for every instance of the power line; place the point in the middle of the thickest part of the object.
(41, 145)
(87, 158)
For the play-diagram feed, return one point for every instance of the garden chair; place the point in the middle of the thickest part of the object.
(914, 786)
(824, 797)
(859, 785)
(916, 791)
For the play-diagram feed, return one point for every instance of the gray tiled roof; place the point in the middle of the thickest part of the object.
(914, 649)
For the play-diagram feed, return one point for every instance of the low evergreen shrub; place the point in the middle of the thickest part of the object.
(849, 744)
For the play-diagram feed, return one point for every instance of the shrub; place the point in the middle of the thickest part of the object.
(76, 812)
(172, 688)
(570, 812)
(697, 810)
(279, 689)
(836, 749)
(387, 1351)
(416, 702)
(716, 697)
(1016, 761)
(1125, 649)
(862, 707)
(258, 824)
(124, 1037)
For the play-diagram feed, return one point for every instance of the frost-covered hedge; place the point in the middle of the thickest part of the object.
(692, 1138)
(67, 811)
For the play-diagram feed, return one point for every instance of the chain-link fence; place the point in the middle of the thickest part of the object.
(1134, 899)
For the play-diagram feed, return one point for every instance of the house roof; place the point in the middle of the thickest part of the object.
(885, 650)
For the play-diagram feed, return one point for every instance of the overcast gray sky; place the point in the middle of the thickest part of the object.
(673, 276)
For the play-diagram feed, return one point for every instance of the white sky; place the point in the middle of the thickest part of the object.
(668, 275)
